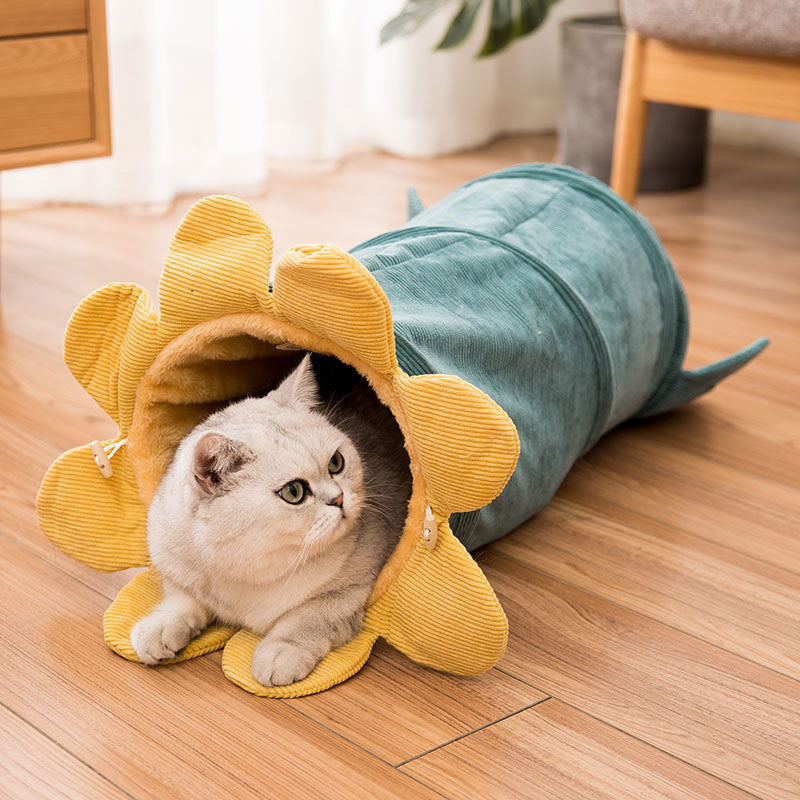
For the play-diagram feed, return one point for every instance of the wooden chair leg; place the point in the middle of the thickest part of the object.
(631, 121)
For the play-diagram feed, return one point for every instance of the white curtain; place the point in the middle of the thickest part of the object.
(205, 92)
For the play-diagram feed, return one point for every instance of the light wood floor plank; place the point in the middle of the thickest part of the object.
(712, 592)
(32, 767)
(728, 716)
(753, 515)
(555, 752)
(404, 709)
(762, 301)
(39, 393)
(158, 732)
(736, 428)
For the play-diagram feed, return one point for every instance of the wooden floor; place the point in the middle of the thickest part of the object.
(654, 607)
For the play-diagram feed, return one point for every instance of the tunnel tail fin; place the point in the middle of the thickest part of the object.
(689, 384)
(414, 204)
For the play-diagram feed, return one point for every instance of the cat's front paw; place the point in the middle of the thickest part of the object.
(157, 637)
(279, 663)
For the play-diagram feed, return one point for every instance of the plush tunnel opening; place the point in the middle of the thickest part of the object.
(221, 361)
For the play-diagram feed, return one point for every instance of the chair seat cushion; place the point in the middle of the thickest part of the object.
(763, 27)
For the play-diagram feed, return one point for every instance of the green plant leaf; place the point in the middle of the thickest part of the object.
(461, 25)
(501, 29)
(414, 14)
(532, 13)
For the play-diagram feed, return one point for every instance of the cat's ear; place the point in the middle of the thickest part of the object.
(299, 386)
(215, 458)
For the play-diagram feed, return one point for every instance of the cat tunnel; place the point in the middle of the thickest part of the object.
(507, 328)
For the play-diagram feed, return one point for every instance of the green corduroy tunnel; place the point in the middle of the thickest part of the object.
(540, 286)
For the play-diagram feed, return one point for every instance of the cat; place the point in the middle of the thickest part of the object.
(276, 515)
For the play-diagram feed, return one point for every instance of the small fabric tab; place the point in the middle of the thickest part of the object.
(101, 459)
(429, 529)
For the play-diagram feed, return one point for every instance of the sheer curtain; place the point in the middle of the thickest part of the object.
(205, 92)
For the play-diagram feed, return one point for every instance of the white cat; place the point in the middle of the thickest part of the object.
(272, 518)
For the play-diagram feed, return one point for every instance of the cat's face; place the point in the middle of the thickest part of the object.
(273, 482)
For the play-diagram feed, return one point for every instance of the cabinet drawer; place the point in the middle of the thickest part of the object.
(45, 91)
(30, 17)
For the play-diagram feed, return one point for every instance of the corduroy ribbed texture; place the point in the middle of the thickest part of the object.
(207, 246)
(437, 407)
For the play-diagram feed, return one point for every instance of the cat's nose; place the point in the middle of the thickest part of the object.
(337, 501)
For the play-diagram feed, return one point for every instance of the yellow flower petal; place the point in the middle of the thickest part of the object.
(136, 600)
(218, 263)
(110, 341)
(336, 667)
(99, 521)
(323, 289)
(467, 445)
(442, 612)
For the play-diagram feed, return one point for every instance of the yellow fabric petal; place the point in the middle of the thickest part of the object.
(218, 263)
(467, 445)
(99, 521)
(111, 339)
(323, 289)
(336, 667)
(136, 600)
(442, 612)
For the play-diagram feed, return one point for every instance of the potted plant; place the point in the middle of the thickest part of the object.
(675, 142)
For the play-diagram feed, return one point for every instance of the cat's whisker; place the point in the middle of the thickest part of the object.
(302, 558)
(383, 513)
(329, 411)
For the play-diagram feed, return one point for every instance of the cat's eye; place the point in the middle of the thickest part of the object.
(294, 492)
(336, 464)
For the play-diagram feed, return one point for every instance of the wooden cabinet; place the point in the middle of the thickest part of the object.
(53, 82)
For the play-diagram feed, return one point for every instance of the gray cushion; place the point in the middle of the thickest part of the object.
(764, 27)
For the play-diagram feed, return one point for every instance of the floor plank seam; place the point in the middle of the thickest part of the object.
(426, 785)
(288, 704)
(647, 616)
(67, 751)
(474, 730)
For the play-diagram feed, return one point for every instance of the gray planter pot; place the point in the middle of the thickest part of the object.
(675, 142)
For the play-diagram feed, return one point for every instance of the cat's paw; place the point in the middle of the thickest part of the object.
(279, 663)
(157, 637)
